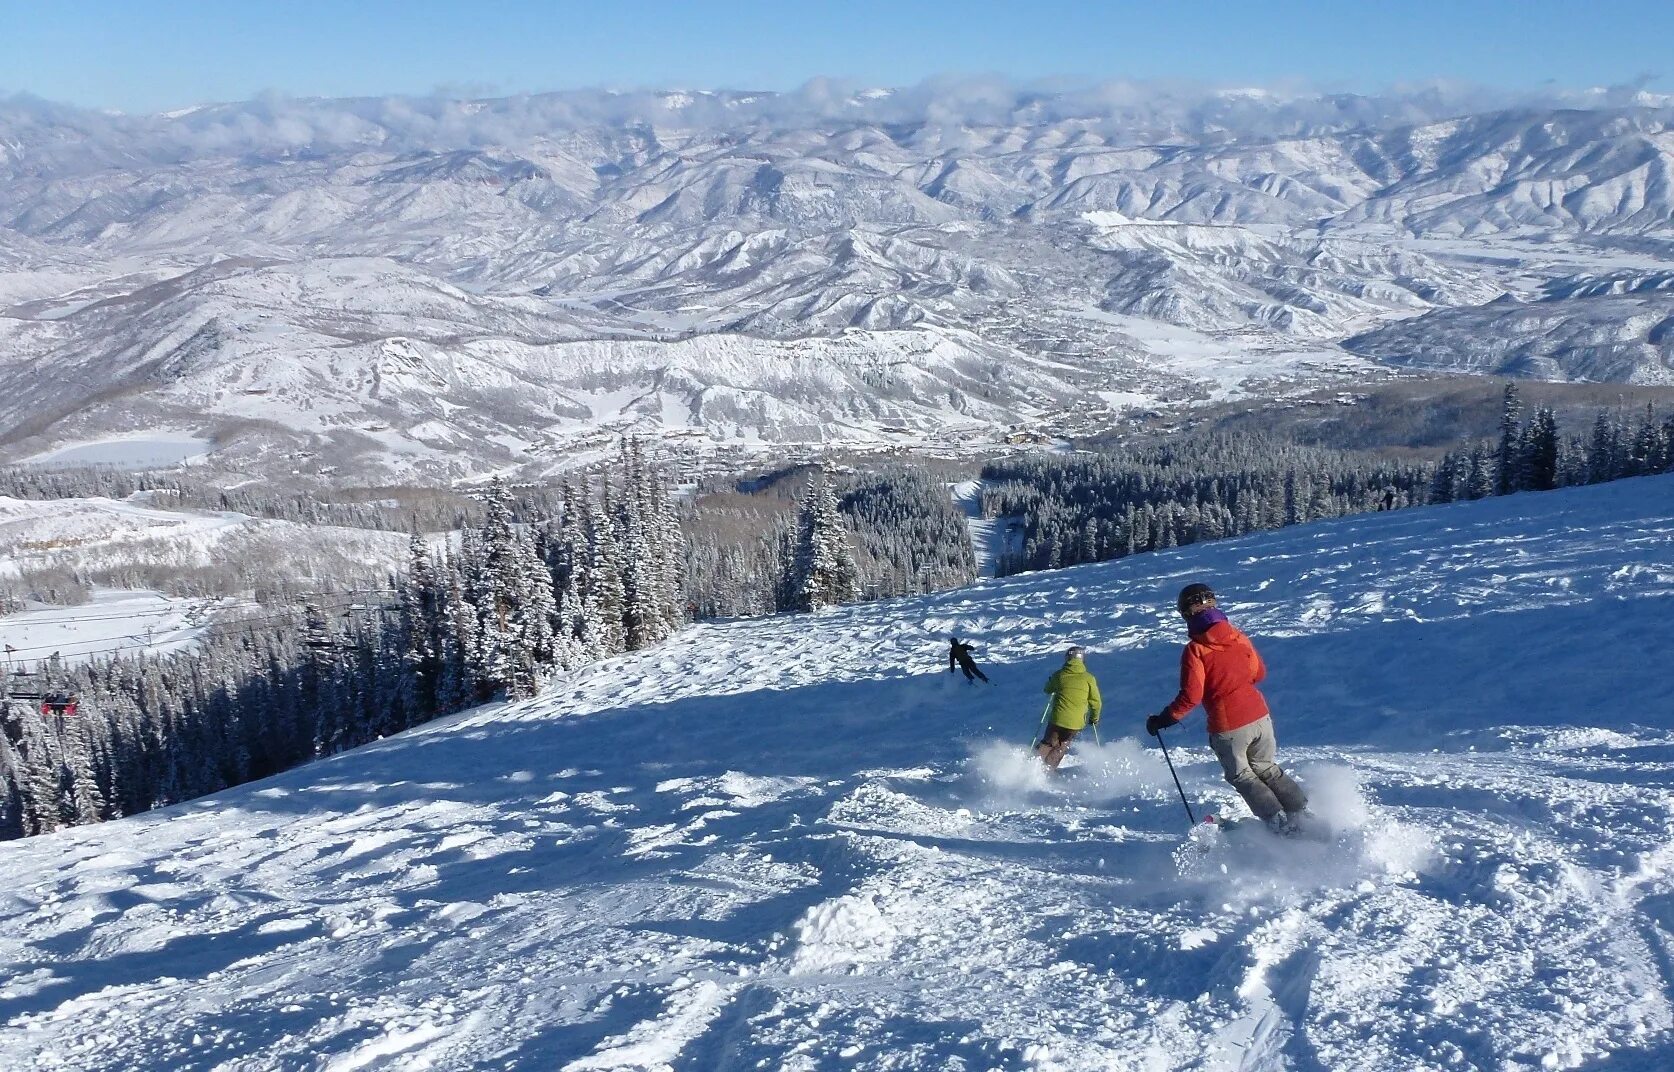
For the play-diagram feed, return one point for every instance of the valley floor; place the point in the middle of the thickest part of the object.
(796, 843)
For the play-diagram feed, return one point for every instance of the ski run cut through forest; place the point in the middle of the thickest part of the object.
(797, 843)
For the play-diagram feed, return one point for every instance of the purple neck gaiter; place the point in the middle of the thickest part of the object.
(1202, 620)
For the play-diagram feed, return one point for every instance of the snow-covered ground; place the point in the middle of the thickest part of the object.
(795, 843)
(112, 622)
(40, 532)
(987, 534)
(125, 538)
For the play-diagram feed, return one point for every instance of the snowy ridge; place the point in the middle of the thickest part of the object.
(437, 288)
(796, 843)
(1599, 333)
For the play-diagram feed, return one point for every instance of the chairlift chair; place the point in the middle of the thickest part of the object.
(51, 702)
(60, 703)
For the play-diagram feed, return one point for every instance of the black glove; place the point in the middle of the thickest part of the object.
(1094, 720)
(1157, 723)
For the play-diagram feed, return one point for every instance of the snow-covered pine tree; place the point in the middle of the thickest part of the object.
(671, 556)
(12, 777)
(460, 684)
(641, 619)
(319, 701)
(83, 800)
(1483, 481)
(422, 602)
(40, 785)
(557, 544)
(1539, 467)
(565, 549)
(494, 591)
(605, 595)
(1444, 486)
(1506, 470)
(824, 572)
(534, 648)
(1601, 454)
(1647, 444)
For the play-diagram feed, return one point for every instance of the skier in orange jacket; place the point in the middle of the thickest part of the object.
(1220, 669)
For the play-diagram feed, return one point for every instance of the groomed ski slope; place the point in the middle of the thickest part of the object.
(796, 843)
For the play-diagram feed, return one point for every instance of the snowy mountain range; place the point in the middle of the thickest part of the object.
(796, 843)
(402, 286)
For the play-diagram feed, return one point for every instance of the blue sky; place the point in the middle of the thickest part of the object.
(145, 56)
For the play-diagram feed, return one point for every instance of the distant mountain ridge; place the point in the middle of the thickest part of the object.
(429, 286)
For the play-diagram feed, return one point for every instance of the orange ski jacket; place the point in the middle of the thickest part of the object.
(1220, 669)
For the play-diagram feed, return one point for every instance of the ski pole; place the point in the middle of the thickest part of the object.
(1096, 742)
(1177, 784)
(1044, 715)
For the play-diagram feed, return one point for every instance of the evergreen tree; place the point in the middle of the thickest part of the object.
(1483, 480)
(1540, 452)
(460, 685)
(535, 646)
(319, 702)
(494, 592)
(1602, 454)
(825, 573)
(1647, 444)
(671, 559)
(422, 624)
(605, 597)
(641, 614)
(1510, 412)
(12, 783)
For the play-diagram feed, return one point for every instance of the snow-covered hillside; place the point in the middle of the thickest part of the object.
(433, 287)
(117, 545)
(795, 843)
(111, 622)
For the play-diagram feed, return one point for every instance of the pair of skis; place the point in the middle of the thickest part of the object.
(1219, 822)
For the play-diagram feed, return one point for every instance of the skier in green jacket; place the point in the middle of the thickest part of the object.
(1075, 703)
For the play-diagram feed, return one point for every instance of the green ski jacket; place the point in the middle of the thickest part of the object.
(1076, 693)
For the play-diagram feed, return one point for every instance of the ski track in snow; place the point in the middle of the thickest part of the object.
(797, 844)
(987, 534)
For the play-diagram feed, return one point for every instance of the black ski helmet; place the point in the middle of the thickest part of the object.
(1194, 595)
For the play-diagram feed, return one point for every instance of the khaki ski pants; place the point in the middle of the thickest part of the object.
(1055, 745)
(1246, 755)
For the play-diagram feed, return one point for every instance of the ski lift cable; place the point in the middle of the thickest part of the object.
(218, 628)
(131, 643)
(286, 615)
(143, 645)
(69, 619)
(165, 610)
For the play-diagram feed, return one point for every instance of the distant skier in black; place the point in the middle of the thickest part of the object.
(1388, 499)
(959, 653)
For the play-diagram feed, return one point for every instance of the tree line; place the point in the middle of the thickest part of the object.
(1532, 454)
(896, 530)
(528, 593)
(392, 509)
(1091, 508)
